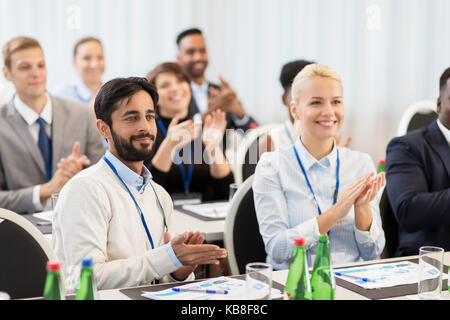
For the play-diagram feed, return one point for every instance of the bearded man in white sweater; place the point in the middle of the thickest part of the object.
(114, 213)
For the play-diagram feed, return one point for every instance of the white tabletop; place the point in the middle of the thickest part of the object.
(213, 229)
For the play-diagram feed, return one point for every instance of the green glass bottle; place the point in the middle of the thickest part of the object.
(87, 289)
(298, 286)
(381, 165)
(322, 280)
(53, 289)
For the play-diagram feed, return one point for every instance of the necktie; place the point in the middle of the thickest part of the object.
(44, 144)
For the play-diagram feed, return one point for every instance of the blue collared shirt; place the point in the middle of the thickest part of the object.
(77, 91)
(139, 182)
(286, 209)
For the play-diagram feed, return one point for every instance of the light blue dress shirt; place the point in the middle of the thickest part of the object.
(139, 182)
(77, 91)
(285, 207)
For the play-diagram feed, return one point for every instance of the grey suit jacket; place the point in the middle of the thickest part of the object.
(21, 163)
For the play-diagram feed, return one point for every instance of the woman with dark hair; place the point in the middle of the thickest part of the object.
(187, 160)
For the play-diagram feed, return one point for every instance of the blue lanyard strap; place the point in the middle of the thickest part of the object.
(186, 178)
(336, 190)
(137, 205)
(79, 95)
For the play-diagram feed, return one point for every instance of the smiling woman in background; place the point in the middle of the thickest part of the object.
(315, 187)
(89, 62)
(204, 172)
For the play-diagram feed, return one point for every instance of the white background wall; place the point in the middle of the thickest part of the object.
(389, 53)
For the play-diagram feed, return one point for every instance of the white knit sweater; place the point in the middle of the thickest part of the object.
(96, 217)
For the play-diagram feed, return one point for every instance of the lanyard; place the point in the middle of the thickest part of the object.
(336, 190)
(186, 178)
(80, 97)
(137, 206)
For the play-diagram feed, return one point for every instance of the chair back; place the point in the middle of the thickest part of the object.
(242, 239)
(24, 252)
(248, 154)
(390, 226)
(416, 116)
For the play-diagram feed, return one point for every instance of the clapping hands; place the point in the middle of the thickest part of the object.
(180, 134)
(225, 99)
(67, 168)
(361, 191)
(191, 252)
(375, 183)
(214, 127)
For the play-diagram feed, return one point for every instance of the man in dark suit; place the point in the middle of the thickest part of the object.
(44, 140)
(418, 180)
(207, 96)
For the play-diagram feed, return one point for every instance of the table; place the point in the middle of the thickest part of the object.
(280, 276)
(213, 230)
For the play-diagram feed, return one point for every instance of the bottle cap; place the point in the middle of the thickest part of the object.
(299, 241)
(86, 262)
(323, 238)
(53, 266)
(382, 161)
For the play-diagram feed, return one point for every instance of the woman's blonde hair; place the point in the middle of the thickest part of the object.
(308, 72)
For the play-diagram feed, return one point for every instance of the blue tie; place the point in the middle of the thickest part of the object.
(44, 144)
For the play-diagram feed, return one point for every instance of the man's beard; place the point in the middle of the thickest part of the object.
(127, 152)
(195, 73)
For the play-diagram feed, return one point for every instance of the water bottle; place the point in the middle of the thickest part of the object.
(53, 289)
(381, 165)
(322, 279)
(87, 289)
(298, 286)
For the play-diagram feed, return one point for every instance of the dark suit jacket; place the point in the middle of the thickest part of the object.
(230, 122)
(418, 186)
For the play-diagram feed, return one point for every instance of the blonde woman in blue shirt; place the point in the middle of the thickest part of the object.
(315, 187)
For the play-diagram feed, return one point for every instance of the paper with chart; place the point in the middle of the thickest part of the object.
(386, 274)
(44, 215)
(209, 210)
(236, 290)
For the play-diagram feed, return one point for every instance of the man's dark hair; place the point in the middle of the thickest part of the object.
(188, 32)
(290, 70)
(444, 77)
(114, 91)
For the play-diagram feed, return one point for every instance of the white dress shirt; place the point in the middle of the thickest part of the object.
(31, 117)
(286, 210)
(200, 94)
(445, 131)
